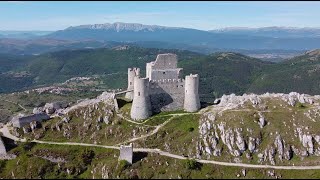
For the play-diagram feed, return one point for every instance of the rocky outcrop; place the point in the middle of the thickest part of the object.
(34, 125)
(26, 129)
(262, 121)
(222, 125)
(280, 147)
(252, 144)
(38, 110)
(66, 119)
(50, 108)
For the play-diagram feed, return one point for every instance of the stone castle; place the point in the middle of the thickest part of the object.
(162, 89)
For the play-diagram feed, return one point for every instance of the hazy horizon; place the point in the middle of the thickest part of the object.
(52, 16)
(229, 27)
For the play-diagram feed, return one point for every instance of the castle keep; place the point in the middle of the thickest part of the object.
(162, 89)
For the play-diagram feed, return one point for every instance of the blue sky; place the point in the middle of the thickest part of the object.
(205, 15)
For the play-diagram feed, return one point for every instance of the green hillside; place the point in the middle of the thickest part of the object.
(57, 67)
(220, 72)
(224, 73)
(299, 74)
(60, 66)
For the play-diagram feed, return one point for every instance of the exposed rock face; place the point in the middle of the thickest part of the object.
(293, 97)
(37, 110)
(252, 144)
(100, 119)
(105, 97)
(288, 152)
(34, 125)
(262, 121)
(66, 119)
(106, 119)
(26, 129)
(279, 145)
(59, 126)
(50, 108)
(85, 119)
(221, 125)
(307, 143)
(240, 142)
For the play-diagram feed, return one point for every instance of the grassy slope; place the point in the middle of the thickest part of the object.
(180, 136)
(224, 73)
(299, 74)
(282, 119)
(220, 72)
(27, 165)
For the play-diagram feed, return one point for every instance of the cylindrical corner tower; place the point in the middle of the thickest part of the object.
(191, 96)
(132, 72)
(141, 105)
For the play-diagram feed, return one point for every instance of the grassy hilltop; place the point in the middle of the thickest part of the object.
(182, 134)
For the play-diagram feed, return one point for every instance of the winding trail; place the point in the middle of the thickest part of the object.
(149, 134)
(16, 104)
(167, 154)
(6, 133)
(144, 122)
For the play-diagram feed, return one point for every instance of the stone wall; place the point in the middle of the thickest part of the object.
(141, 106)
(21, 121)
(167, 95)
(191, 99)
(132, 72)
(164, 67)
(166, 61)
(166, 74)
(126, 153)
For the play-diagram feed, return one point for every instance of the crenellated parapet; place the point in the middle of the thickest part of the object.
(167, 85)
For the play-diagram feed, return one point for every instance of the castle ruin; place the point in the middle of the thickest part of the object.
(20, 120)
(126, 153)
(162, 89)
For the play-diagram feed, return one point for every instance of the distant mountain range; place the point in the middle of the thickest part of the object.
(252, 40)
(275, 32)
(262, 38)
(23, 34)
(43, 45)
(119, 26)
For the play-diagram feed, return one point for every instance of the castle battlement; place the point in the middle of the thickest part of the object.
(193, 76)
(167, 81)
(133, 69)
(163, 89)
(167, 84)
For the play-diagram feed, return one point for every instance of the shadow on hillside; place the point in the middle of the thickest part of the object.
(137, 156)
(206, 104)
(122, 102)
(9, 143)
